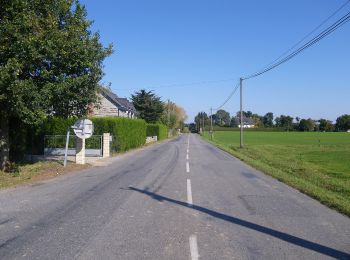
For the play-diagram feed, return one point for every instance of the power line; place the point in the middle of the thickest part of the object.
(313, 41)
(310, 33)
(229, 97)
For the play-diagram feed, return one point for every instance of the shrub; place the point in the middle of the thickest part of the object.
(127, 133)
(158, 130)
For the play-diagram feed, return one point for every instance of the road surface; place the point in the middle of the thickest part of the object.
(180, 199)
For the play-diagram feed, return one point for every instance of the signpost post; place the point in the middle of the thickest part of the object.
(83, 129)
(66, 151)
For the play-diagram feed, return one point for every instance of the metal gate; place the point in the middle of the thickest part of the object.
(54, 145)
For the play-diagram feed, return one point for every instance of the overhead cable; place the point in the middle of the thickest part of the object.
(229, 97)
(311, 42)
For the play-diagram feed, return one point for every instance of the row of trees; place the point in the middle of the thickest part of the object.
(152, 109)
(222, 118)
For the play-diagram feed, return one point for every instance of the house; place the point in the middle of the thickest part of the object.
(112, 105)
(247, 122)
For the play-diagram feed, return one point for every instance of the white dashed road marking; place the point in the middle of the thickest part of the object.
(189, 193)
(194, 247)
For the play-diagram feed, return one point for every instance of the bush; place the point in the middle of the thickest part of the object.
(127, 133)
(158, 130)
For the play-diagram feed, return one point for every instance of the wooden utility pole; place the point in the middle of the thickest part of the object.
(168, 118)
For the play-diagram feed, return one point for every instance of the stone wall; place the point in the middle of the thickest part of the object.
(151, 139)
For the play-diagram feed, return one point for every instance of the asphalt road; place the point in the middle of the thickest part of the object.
(180, 199)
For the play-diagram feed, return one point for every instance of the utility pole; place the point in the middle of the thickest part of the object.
(241, 106)
(211, 123)
(168, 118)
(203, 122)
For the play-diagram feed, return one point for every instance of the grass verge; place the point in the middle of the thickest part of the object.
(39, 171)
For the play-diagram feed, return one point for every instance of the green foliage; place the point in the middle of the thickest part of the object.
(148, 105)
(306, 125)
(285, 122)
(50, 63)
(343, 123)
(326, 125)
(173, 116)
(234, 122)
(127, 133)
(158, 130)
(201, 120)
(268, 119)
(222, 118)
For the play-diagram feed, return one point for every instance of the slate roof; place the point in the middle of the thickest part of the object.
(246, 120)
(122, 103)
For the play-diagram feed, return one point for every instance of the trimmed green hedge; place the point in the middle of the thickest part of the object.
(127, 133)
(158, 130)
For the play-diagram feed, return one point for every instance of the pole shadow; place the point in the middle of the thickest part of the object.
(265, 230)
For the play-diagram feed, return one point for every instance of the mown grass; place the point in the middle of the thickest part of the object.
(28, 173)
(317, 164)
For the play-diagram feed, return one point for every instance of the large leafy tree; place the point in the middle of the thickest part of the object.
(268, 119)
(343, 123)
(173, 116)
(284, 121)
(202, 120)
(326, 125)
(306, 125)
(50, 62)
(222, 118)
(148, 105)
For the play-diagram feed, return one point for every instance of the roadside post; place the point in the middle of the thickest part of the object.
(66, 151)
(83, 129)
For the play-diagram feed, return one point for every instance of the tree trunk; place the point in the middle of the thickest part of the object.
(4, 140)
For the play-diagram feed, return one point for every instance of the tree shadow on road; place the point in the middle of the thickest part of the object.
(265, 230)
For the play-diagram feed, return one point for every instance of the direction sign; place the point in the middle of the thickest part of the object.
(83, 128)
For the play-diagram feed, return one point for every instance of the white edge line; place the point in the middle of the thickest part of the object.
(194, 247)
(189, 193)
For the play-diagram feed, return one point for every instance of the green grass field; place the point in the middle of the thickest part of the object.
(315, 163)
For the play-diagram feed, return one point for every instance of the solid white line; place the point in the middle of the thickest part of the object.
(189, 193)
(187, 167)
(186, 156)
(194, 247)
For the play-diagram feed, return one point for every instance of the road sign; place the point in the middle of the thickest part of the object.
(83, 128)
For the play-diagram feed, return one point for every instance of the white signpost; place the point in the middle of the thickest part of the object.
(83, 129)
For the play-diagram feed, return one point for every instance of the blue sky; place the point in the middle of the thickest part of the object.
(164, 45)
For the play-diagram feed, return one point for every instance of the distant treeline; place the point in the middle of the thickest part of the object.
(222, 121)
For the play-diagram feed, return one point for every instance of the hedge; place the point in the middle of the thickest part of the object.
(126, 133)
(159, 130)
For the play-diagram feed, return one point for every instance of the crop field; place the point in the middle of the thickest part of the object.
(315, 163)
